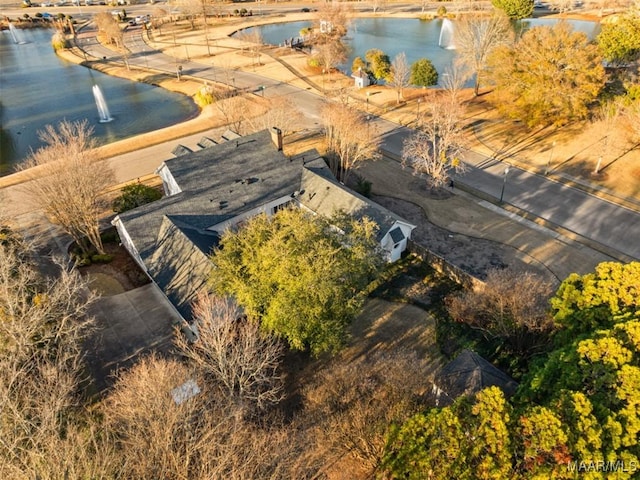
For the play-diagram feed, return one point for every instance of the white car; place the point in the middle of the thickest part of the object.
(46, 4)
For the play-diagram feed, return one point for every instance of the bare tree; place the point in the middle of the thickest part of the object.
(332, 19)
(158, 18)
(109, 27)
(454, 78)
(167, 423)
(400, 74)
(234, 354)
(476, 37)
(42, 324)
(67, 183)
(351, 139)
(282, 113)
(330, 54)
(378, 5)
(159, 435)
(561, 6)
(608, 114)
(191, 9)
(235, 109)
(332, 22)
(255, 41)
(352, 406)
(512, 306)
(436, 148)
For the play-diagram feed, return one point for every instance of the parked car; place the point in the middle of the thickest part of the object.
(46, 4)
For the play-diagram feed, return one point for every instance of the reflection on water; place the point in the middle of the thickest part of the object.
(39, 88)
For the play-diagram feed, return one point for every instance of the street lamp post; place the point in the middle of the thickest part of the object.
(368, 93)
(418, 114)
(504, 183)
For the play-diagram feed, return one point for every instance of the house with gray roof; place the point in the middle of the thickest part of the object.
(211, 190)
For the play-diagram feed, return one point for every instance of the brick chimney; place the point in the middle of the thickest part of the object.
(276, 137)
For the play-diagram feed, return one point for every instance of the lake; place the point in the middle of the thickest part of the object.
(416, 38)
(38, 88)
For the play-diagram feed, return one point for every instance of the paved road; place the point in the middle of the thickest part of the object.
(605, 223)
(573, 209)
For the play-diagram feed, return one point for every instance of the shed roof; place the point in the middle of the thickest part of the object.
(469, 373)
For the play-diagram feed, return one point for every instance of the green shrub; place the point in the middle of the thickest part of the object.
(423, 73)
(204, 96)
(81, 259)
(442, 11)
(363, 186)
(101, 258)
(135, 195)
(110, 236)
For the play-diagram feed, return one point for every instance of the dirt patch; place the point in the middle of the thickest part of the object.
(120, 275)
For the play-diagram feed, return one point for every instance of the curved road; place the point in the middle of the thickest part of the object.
(610, 225)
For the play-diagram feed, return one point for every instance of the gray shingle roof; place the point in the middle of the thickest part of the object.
(396, 235)
(469, 373)
(178, 265)
(323, 194)
(181, 150)
(217, 183)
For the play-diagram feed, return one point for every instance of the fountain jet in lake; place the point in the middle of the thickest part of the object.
(101, 103)
(446, 35)
(16, 35)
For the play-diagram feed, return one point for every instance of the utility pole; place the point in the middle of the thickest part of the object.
(504, 183)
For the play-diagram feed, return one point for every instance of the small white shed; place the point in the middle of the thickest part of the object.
(361, 78)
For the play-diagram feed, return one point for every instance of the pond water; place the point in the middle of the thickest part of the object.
(417, 39)
(39, 88)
